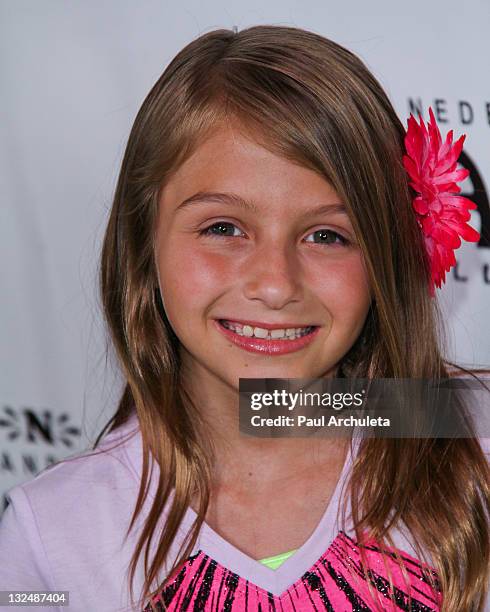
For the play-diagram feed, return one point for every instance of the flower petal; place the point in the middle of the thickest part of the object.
(431, 166)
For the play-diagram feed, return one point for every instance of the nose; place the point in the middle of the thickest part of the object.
(273, 276)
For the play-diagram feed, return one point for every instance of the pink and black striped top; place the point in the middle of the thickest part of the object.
(204, 584)
(325, 573)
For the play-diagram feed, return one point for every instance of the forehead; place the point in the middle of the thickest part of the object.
(232, 160)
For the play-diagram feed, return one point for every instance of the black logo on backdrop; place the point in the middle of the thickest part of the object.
(461, 111)
(32, 440)
(31, 427)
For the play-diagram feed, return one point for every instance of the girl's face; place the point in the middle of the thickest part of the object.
(240, 237)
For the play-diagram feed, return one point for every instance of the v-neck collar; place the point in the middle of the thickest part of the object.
(276, 581)
(228, 556)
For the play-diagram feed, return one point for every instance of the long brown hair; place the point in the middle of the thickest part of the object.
(312, 101)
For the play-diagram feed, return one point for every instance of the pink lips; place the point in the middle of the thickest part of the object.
(271, 347)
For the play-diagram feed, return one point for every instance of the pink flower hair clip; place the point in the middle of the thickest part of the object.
(441, 214)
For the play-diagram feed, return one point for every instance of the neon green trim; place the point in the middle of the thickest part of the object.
(277, 560)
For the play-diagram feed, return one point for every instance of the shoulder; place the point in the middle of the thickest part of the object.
(75, 509)
(67, 528)
(79, 499)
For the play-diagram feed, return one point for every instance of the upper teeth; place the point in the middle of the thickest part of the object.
(260, 332)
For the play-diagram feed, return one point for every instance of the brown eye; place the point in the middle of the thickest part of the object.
(222, 229)
(328, 236)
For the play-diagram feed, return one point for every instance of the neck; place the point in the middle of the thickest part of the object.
(262, 461)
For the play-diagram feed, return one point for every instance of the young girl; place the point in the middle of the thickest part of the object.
(272, 219)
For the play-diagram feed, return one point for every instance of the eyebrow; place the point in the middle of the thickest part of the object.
(233, 199)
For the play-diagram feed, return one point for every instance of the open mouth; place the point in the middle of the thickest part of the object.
(267, 341)
(260, 333)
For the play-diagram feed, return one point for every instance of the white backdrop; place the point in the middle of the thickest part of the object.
(73, 75)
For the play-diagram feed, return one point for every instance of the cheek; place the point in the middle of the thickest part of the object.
(191, 278)
(343, 288)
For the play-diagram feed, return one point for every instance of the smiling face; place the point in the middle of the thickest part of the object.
(257, 254)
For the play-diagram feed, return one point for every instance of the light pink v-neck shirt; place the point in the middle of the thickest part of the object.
(64, 530)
